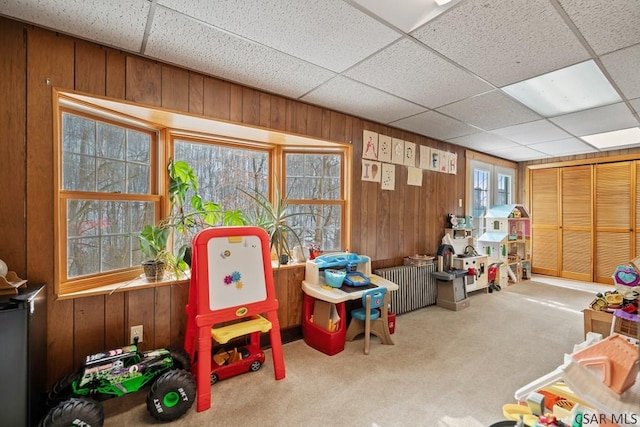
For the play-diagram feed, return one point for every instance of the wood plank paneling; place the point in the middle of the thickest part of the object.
(175, 88)
(13, 109)
(250, 106)
(235, 104)
(114, 320)
(179, 300)
(216, 98)
(50, 60)
(140, 310)
(88, 327)
(196, 93)
(162, 322)
(144, 81)
(116, 72)
(90, 68)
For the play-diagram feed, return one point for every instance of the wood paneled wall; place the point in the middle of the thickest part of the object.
(386, 225)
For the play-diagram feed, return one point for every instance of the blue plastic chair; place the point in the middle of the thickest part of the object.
(369, 314)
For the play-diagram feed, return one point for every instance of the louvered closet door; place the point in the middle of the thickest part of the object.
(544, 221)
(576, 227)
(613, 232)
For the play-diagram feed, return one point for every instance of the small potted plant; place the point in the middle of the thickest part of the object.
(153, 245)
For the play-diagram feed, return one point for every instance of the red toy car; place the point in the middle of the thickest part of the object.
(227, 364)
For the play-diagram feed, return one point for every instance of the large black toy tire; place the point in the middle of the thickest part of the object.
(83, 412)
(62, 389)
(171, 395)
(181, 359)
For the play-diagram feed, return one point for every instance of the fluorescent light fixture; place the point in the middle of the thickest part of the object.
(568, 90)
(442, 2)
(616, 138)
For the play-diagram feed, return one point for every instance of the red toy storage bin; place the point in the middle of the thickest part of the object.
(329, 343)
(392, 322)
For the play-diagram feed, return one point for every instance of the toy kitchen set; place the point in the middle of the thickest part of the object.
(458, 275)
(330, 281)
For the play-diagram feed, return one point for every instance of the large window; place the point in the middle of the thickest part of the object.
(490, 185)
(105, 196)
(112, 171)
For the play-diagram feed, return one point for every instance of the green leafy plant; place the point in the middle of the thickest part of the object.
(272, 217)
(188, 214)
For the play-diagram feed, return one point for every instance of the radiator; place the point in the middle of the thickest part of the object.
(416, 287)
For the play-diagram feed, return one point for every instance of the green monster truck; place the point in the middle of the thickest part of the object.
(114, 373)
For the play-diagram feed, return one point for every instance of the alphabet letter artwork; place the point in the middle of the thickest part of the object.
(370, 170)
(369, 145)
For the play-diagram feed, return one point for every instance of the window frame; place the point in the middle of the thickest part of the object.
(65, 284)
(495, 168)
(167, 125)
(341, 201)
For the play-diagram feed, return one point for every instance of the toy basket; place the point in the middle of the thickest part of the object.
(334, 278)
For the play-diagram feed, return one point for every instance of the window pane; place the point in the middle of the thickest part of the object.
(222, 170)
(480, 196)
(110, 141)
(313, 176)
(79, 172)
(321, 224)
(138, 146)
(102, 235)
(111, 176)
(78, 134)
(504, 190)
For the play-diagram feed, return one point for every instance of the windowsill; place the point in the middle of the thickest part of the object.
(142, 283)
(130, 285)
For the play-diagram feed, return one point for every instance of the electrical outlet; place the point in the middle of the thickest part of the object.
(136, 332)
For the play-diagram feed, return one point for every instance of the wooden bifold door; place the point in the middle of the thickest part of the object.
(585, 219)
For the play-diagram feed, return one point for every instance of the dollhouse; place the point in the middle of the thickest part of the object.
(507, 239)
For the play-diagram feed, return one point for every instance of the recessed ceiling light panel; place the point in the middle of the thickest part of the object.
(618, 138)
(575, 88)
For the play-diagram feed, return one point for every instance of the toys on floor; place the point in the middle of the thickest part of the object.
(239, 360)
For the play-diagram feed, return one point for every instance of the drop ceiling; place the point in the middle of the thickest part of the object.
(447, 72)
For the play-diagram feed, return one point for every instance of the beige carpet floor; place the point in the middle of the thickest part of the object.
(446, 369)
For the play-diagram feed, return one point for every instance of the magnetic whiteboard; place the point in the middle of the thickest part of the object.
(236, 271)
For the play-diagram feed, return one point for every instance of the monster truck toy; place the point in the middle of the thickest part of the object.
(114, 373)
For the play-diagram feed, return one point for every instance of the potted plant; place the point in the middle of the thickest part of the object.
(272, 217)
(153, 244)
(188, 214)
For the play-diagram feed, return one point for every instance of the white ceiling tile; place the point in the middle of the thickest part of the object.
(606, 25)
(427, 79)
(563, 147)
(635, 103)
(624, 66)
(118, 23)
(355, 98)
(484, 141)
(407, 14)
(192, 44)
(328, 33)
(435, 125)
(518, 154)
(597, 120)
(532, 132)
(491, 110)
(522, 39)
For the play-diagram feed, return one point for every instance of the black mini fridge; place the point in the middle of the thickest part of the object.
(23, 356)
